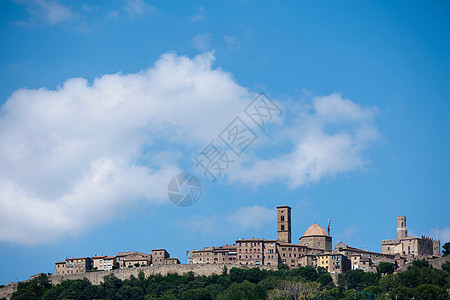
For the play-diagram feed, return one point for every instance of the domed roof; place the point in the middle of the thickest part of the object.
(315, 229)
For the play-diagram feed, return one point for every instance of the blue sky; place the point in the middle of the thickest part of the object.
(102, 103)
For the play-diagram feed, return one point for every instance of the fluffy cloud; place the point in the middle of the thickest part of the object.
(67, 154)
(327, 138)
(51, 12)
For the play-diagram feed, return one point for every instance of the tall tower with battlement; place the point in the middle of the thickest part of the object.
(402, 230)
(284, 223)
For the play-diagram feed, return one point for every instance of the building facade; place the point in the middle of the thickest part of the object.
(334, 262)
(73, 265)
(316, 237)
(408, 245)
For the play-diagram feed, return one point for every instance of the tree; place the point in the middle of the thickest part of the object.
(429, 291)
(446, 266)
(385, 268)
(446, 248)
(282, 266)
(421, 263)
(137, 264)
(402, 293)
(116, 266)
(224, 270)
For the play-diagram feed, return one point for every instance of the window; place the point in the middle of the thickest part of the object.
(282, 218)
(282, 227)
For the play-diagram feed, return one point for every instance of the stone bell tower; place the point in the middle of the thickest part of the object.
(402, 230)
(284, 223)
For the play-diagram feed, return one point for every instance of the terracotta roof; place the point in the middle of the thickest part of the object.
(98, 256)
(315, 229)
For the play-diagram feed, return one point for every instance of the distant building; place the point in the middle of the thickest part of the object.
(408, 245)
(73, 265)
(316, 237)
(122, 256)
(267, 252)
(333, 262)
(171, 261)
(159, 256)
(213, 255)
(140, 260)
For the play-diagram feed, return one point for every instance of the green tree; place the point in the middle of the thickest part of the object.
(196, 294)
(402, 293)
(446, 249)
(421, 263)
(385, 268)
(429, 291)
(325, 279)
(224, 270)
(446, 266)
(373, 289)
(282, 266)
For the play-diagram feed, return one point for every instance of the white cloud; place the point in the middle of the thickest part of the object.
(137, 8)
(49, 11)
(326, 140)
(243, 219)
(202, 42)
(252, 217)
(69, 153)
(199, 15)
(443, 234)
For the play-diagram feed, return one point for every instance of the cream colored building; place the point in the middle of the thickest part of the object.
(137, 260)
(333, 262)
(73, 265)
(159, 256)
(408, 245)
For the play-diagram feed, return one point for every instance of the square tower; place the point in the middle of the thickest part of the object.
(402, 230)
(284, 223)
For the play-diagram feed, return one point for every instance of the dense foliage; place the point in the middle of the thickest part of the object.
(419, 281)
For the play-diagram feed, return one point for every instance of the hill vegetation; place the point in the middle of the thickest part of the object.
(419, 281)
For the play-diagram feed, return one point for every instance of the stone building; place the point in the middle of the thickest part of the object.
(122, 256)
(159, 256)
(172, 261)
(333, 262)
(137, 260)
(213, 255)
(408, 245)
(351, 251)
(73, 265)
(360, 262)
(316, 237)
(284, 223)
(257, 251)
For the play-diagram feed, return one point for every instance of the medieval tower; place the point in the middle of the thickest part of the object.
(402, 230)
(284, 223)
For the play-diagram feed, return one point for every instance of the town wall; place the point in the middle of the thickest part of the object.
(96, 278)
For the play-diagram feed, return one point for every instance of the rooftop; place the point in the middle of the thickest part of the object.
(314, 230)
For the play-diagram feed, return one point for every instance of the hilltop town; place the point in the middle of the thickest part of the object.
(313, 249)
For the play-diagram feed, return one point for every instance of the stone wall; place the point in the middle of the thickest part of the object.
(97, 277)
(7, 290)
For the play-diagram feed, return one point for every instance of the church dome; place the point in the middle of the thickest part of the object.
(315, 229)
